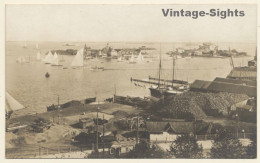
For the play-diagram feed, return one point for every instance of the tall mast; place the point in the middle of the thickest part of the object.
(97, 131)
(173, 65)
(231, 59)
(160, 66)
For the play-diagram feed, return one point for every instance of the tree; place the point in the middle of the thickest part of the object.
(143, 150)
(227, 146)
(186, 146)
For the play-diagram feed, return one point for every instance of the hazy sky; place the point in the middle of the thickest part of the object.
(144, 23)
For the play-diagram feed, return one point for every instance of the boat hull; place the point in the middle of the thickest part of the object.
(159, 93)
(156, 92)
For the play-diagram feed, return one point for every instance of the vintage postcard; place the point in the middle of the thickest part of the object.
(130, 81)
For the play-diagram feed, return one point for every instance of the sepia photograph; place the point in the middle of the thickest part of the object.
(130, 81)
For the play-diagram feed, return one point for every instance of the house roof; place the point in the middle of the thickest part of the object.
(235, 81)
(124, 143)
(200, 84)
(226, 85)
(232, 88)
(176, 127)
(246, 107)
(241, 73)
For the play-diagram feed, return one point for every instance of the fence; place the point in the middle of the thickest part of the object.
(34, 151)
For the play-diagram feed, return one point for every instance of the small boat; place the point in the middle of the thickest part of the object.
(132, 60)
(140, 58)
(47, 75)
(55, 61)
(97, 68)
(78, 60)
(24, 45)
(49, 58)
(120, 59)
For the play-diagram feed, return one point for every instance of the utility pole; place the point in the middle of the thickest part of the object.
(58, 100)
(137, 128)
(237, 119)
(115, 88)
(195, 128)
(97, 132)
(103, 137)
(58, 109)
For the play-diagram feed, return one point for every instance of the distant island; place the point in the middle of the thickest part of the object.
(206, 50)
(107, 51)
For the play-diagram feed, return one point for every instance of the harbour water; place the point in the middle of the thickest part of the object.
(26, 82)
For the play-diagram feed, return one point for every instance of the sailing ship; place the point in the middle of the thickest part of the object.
(48, 58)
(132, 59)
(11, 105)
(140, 58)
(78, 60)
(37, 46)
(55, 61)
(120, 59)
(176, 87)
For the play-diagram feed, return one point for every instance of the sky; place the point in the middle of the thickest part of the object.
(137, 23)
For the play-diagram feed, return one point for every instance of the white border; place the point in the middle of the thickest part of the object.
(2, 69)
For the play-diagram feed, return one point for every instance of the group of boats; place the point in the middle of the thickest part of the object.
(133, 59)
(55, 60)
(161, 87)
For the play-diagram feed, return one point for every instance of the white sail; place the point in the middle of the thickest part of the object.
(11, 103)
(55, 60)
(140, 57)
(48, 58)
(37, 46)
(132, 59)
(78, 59)
(38, 57)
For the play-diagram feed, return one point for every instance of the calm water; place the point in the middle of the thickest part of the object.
(26, 82)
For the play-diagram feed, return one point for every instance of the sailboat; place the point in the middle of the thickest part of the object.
(140, 58)
(132, 59)
(49, 58)
(163, 89)
(24, 45)
(37, 46)
(55, 61)
(119, 59)
(96, 68)
(38, 56)
(21, 60)
(11, 105)
(78, 59)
